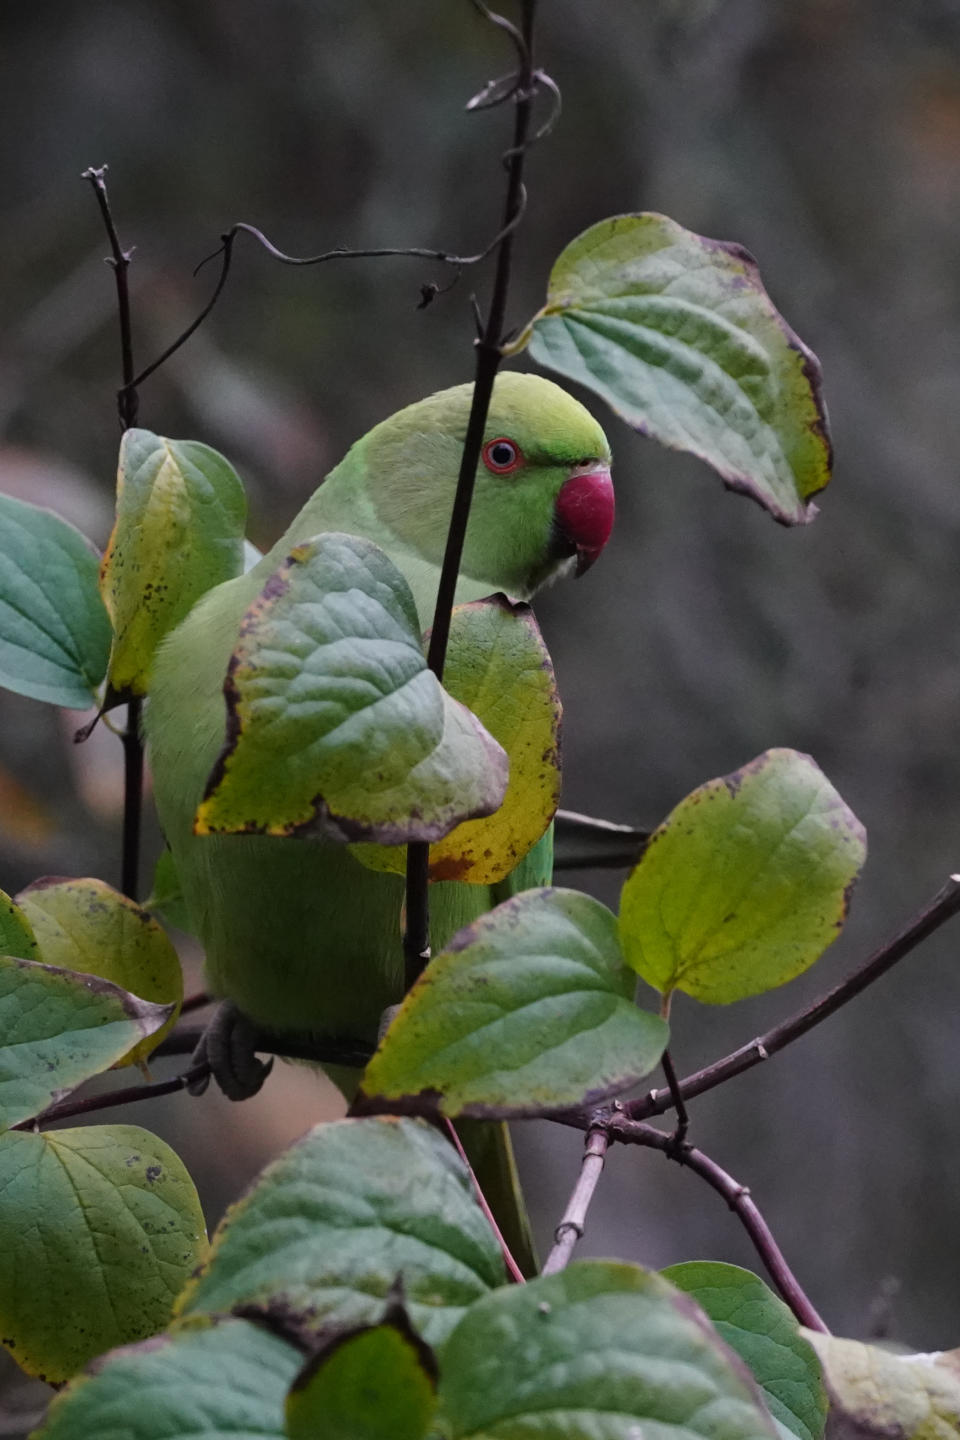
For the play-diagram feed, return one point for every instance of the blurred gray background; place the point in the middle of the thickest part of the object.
(823, 135)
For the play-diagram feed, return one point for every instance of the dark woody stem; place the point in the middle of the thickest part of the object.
(127, 408)
(416, 940)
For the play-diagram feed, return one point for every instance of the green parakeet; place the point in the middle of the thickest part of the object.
(298, 933)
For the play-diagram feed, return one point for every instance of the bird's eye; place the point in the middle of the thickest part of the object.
(501, 456)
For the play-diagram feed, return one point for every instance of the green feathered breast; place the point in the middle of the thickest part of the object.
(300, 935)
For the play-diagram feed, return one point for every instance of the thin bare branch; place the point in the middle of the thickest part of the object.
(944, 905)
(416, 940)
(620, 1128)
(128, 405)
(127, 1095)
(572, 1226)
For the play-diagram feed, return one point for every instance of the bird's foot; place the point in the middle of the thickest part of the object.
(228, 1046)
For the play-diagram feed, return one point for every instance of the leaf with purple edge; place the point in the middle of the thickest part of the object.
(526, 1012)
(58, 1028)
(599, 1350)
(375, 1382)
(99, 1229)
(745, 883)
(85, 925)
(329, 1225)
(335, 725)
(677, 333)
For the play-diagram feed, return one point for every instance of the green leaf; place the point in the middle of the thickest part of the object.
(498, 666)
(88, 926)
(678, 335)
(374, 1383)
(99, 1229)
(219, 1379)
(330, 1226)
(745, 883)
(16, 935)
(57, 1029)
(600, 1351)
(762, 1330)
(335, 726)
(181, 513)
(528, 1010)
(878, 1396)
(54, 631)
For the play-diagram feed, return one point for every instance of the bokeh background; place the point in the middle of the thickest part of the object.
(822, 134)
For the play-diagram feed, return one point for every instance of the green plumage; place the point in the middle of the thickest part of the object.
(298, 933)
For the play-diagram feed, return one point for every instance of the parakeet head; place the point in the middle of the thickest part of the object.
(543, 501)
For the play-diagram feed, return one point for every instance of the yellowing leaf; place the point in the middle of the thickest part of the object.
(878, 1396)
(745, 883)
(85, 925)
(181, 513)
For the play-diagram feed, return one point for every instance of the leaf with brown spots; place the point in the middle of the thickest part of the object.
(526, 1012)
(57, 1029)
(87, 926)
(678, 335)
(181, 513)
(498, 665)
(335, 725)
(319, 1240)
(99, 1229)
(745, 883)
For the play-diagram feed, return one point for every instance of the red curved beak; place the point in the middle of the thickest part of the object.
(584, 513)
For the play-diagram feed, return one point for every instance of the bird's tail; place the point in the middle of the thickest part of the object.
(490, 1152)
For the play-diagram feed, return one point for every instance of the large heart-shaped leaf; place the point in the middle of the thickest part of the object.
(678, 335)
(54, 630)
(330, 1226)
(745, 883)
(598, 1352)
(99, 1229)
(335, 725)
(528, 1010)
(181, 513)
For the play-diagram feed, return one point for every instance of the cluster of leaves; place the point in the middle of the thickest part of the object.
(358, 1289)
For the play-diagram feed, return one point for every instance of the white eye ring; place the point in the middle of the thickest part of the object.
(501, 455)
